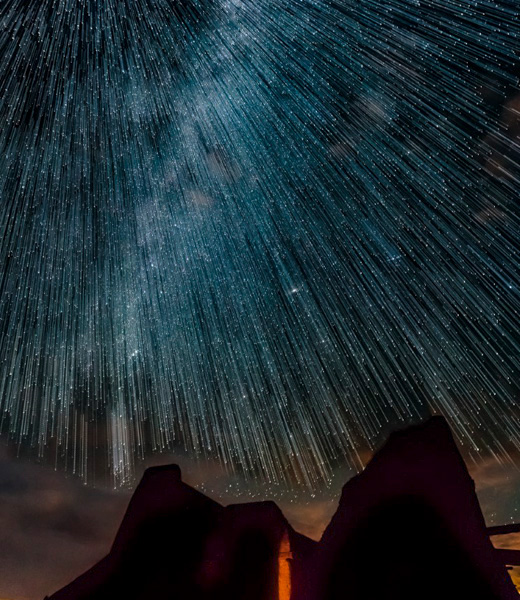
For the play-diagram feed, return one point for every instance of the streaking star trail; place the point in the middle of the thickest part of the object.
(263, 231)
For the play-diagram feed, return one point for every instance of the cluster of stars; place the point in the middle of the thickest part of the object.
(264, 231)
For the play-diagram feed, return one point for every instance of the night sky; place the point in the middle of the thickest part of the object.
(257, 235)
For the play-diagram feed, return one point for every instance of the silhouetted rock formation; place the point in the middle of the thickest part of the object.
(175, 543)
(408, 527)
(246, 543)
(159, 547)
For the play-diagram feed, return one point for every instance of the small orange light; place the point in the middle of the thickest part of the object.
(284, 568)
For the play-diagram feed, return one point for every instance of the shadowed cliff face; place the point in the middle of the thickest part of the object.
(174, 542)
(415, 497)
(410, 558)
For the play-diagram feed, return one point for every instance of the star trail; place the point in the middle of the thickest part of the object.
(263, 231)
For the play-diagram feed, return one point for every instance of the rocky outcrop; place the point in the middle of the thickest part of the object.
(409, 526)
(159, 546)
(176, 543)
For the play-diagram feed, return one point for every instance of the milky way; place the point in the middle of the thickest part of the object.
(264, 231)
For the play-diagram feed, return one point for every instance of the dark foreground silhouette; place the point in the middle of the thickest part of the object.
(408, 527)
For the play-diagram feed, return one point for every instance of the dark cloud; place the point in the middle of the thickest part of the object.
(53, 526)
